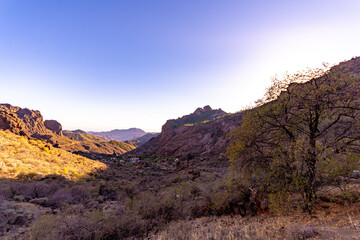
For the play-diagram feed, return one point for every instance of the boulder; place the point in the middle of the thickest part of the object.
(54, 126)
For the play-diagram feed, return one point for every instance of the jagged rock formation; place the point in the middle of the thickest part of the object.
(202, 134)
(30, 123)
(22, 120)
(200, 115)
(10, 121)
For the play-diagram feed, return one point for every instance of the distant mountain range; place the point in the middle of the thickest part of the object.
(131, 134)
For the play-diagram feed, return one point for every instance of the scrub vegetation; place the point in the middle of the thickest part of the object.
(293, 174)
(21, 157)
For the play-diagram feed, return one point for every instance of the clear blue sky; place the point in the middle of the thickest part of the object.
(100, 65)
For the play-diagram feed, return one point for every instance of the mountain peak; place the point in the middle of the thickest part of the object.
(199, 111)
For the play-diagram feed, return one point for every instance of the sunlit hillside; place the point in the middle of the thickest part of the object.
(95, 143)
(123, 145)
(21, 158)
(80, 135)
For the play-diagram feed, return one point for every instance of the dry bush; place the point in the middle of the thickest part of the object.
(91, 225)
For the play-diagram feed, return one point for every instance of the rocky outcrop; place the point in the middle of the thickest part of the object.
(21, 120)
(200, 115)
(24, 121)
(54, 126)
(10, 121)
(203, 140)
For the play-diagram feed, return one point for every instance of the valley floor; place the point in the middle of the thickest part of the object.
(164, 199)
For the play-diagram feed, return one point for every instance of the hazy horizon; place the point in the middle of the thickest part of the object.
(103, 65)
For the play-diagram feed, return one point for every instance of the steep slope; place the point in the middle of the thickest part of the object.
(121, 134)
(30, 123)
(21, 157)
(205, 137)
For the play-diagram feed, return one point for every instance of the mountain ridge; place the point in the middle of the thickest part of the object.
(121, 135)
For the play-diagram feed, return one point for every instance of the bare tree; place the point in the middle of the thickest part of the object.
(304, 120)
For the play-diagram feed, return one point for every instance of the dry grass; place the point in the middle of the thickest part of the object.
(20, 156)
(330, 221)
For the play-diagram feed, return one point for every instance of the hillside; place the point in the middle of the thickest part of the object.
(121, 134)
(30, 123)
(202, 134)
(89, 140)
(79, 135)
(21, 157)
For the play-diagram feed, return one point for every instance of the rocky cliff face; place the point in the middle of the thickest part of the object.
(203, 139)
(10, 121)
(22, 121)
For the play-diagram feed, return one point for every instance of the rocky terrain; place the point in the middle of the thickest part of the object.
(202, 134)
(22, 121)
(30, 123)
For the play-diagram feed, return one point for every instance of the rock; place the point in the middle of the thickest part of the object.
(21, 121)
(9, 121)
(207, 108)
(54, 126)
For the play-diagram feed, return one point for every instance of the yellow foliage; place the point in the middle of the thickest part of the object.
(20, 156)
